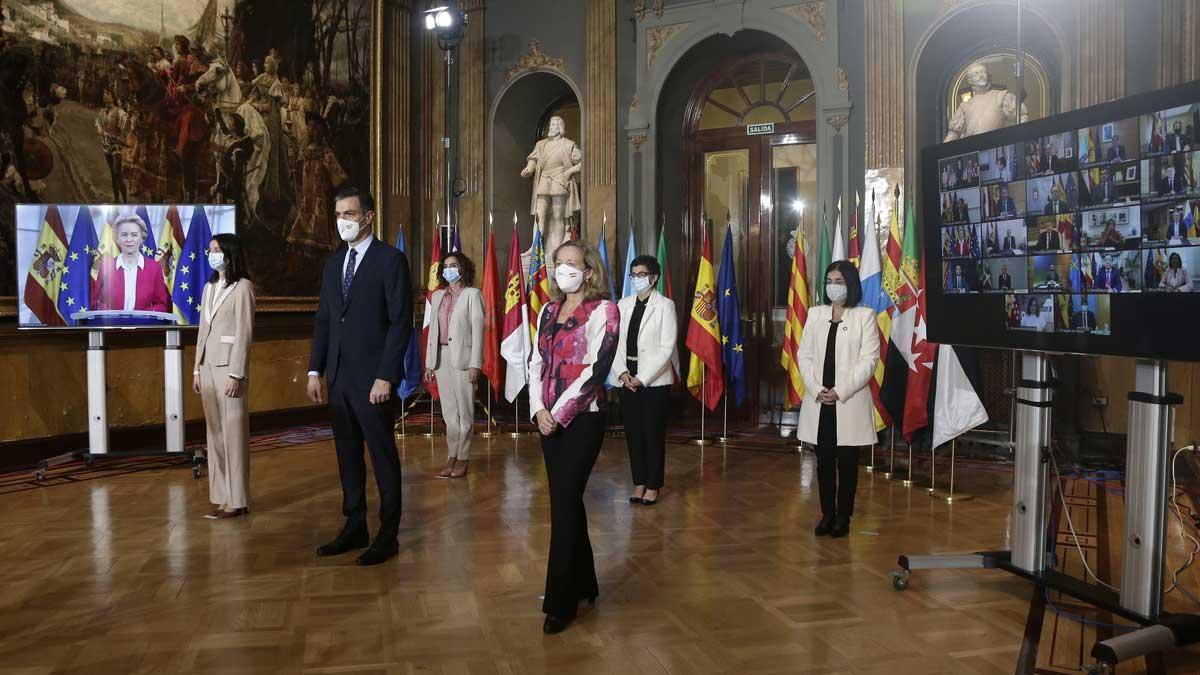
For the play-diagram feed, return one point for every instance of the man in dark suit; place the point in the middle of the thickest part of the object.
(1005, 206)
(964, 211)
(1004, 281)
(958, 281)
(1176, 228)
(1116, 151)
(1106, 191)
(1172, 184)
(1054, 206)
(1083, 319)
(1049, 240)
(1107, 277)
(363, 324)
(1177, 141)
(1010, 243)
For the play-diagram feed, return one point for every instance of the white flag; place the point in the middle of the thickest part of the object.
(839, 244)
(957, 407)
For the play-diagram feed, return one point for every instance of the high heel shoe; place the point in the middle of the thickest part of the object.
(651, 502)
(460, 471)
(825, 526)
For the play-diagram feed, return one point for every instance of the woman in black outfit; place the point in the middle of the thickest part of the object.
(837, 356)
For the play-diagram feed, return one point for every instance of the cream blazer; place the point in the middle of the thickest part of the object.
(656, 347)
(225, 339)
(465, 345)
(856, 354)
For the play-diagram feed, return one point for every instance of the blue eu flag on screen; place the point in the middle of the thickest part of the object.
(148, 247)
(75, 291)
(730, 316)
(412, 355)
(193, 271)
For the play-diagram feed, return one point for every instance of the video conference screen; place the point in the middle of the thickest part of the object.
(1073, 233)
(92, 266)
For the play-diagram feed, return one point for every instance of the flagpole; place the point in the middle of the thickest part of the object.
(702, 440)
(951, 496)
(724, 437)
(908, 482)
(932, 468)
(892, 461)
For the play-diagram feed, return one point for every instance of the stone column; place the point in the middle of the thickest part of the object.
(1100, 48)
(470, 140)
(884, 49)
(600, 114)
(393, 106)
(1177, 50)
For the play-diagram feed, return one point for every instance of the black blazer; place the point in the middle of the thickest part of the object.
(364, 339)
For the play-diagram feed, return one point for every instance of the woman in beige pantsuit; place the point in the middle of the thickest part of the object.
(221, 375)
(454, 355)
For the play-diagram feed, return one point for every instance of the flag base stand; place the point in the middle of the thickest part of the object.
(950, 496)
(908, 482)
(872, 467)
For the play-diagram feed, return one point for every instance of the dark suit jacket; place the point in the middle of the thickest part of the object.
(1062, 208)
(1164, 186)
(1116, 152)
(1176, 142)
(1083, 319)
(1105, 192)
(1006, 206)
(364, 338)
(1010, 243)
(1050, 240)
(1108, 279)
(1004, 282)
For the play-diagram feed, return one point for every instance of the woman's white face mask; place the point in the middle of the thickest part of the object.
(836, 293)
(568, 278)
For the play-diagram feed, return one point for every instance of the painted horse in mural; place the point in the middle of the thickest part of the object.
(222, 97)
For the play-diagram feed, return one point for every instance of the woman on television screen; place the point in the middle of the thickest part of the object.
(131, 281)
(1032, 318)
(1176, 278)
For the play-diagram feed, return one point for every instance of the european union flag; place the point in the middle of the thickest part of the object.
(730, 317)
(412, 354)
(193, 271)
(75, 290)
(149, 247)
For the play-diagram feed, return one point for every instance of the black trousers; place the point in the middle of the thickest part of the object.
(570, 454)
(837, 468)
(645, 414)
(355, 421)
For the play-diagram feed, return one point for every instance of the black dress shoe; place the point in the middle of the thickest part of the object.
(635, 500)
(347, 540)
(379, 552)
(841, 527)
(825, 526)
(554, 624)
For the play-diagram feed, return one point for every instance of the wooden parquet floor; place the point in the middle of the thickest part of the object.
(122, 575)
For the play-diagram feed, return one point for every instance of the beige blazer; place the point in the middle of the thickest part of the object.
(856, 354)
(656, 347)
(225, 339)
(465, 346)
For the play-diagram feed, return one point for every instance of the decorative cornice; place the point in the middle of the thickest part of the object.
(636, 142)
(837, 122)
(843, 81)
(639, 9)
(658, 8)
(813, 13)
(658, 36)
(535, 59)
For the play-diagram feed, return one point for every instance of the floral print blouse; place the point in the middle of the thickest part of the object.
(571, 360)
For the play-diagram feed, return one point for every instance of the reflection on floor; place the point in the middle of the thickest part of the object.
(121, 574)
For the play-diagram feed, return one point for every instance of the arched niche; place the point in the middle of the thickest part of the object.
(518, 118)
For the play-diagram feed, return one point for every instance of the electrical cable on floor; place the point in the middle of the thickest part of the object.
(1083, 619)
(1184, 535)
(1071, 525)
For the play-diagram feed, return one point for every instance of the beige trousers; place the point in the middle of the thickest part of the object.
(228, 424)
(458, 406)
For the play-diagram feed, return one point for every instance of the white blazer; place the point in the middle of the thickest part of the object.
(465, 345)
(656, 347)
(856, 354)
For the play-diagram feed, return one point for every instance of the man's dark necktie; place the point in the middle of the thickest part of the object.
(349, 276)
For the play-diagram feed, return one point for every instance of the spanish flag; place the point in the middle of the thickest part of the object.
(797, 316)
(706, 377)
(46, 269)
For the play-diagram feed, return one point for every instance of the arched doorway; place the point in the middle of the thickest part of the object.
(749, 165)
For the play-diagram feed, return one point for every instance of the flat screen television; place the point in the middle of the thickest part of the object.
(114, 266)
(1077, 233)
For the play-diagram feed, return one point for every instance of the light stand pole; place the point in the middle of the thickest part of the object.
(448, 23)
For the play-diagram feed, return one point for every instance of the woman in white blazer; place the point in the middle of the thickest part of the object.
(221, 375)
(837, 357)
(454, 355)
(644, 369)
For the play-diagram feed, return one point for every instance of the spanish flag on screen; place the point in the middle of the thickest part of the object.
(706, 377)
(46, 269)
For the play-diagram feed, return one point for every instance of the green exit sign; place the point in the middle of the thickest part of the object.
(757, 129)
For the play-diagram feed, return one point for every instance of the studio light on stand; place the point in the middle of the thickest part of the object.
(448, 23)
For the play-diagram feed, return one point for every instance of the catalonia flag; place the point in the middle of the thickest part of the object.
(705, 374)
(75, 291)
(797, 316)
(46, 269)
(731, 323)
(193, 270)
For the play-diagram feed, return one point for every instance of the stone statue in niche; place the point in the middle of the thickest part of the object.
(554, 166)
(987, 109)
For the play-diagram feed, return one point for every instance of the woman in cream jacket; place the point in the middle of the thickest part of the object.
(221, 375)
(837, 357)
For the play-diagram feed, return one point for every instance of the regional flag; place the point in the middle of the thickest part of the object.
(193, 270)
(539, 282)
(920, 375)
(877, 298)
(797, 316)
(730, 317)
(839, 245)
(825, 257)
(899, 367)
(46, 269)
(957, 406)
(491, 328)
(75, 291)
(514, 345)
(431, 284)
(855, 248)
(602, 250)
(413, 374)
(705, 375)
(664, 280)
(630, 254)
